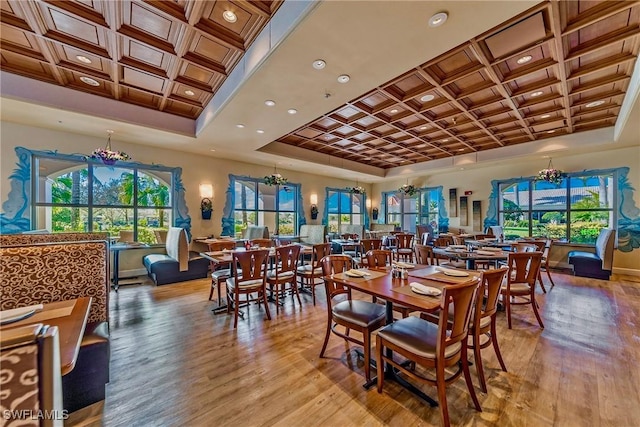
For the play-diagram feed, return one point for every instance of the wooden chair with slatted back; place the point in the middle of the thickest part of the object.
(483, 321)
(545, 261)
(404, 247)
(249, 276)
(425, 255)
(378, 258)
(362, 316)
(219, 272)
(520, 286)
(366, 245)
(540, 247)
(434, 347)
(309, 273)
(284, 273)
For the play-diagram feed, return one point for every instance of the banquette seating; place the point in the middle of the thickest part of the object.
(596, 265)
(312, 234)
(63, 270)
(255, 232)
(178, 264)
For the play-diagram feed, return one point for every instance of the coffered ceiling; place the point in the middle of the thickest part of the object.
(175, 74)
(560, 68)
(170, 56)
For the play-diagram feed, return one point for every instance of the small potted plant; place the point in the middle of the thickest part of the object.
(314, 212)
(206, 207)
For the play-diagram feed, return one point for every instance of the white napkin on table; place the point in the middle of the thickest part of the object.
(451, 272)
(424, 290)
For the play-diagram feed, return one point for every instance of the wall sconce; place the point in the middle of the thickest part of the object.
(374, 214)
(206, 205)
(314, 206)
(368, 203)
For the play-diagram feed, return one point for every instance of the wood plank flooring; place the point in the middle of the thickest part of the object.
(175, 363)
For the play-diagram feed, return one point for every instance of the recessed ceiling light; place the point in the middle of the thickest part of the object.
(423, 128)
(292, 111)
(83, 58)
(594, 104)
(229, 16)
(537, 93)
(460, 149)
(524, 59)
(421, 145)
(427, 98)
(343, 78)
(189, 92)
(393, 111)
(89, 81)
(445, 140)
(545, 116)
(240, 126)
(212, 149)
(269, 103)
(319, 64)
(550, 131)
(260, 131)
(438, 19)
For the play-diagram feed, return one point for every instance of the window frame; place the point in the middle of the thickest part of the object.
(442, 221)
(228, 220)
(25, 200)
(363, 211)
(496, 200)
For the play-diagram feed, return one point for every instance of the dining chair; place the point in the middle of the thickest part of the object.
(366, 245)
(249, 276)
(361, 316)
(425, 255)
(520, 285)
(261, 243)
(284, 273)
(540, 245)
(308, 273)
(31, 377)
(545, 261)
(443, 242)
(483, 319)
(404, 247)
(436, 347)
(219, 272)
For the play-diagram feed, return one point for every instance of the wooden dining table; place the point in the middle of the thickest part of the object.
(470, 257)
(71, 319)
(381, 284)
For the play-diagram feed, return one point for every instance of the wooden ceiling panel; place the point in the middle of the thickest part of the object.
(161, 49)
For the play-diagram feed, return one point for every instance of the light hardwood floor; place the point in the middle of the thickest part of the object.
(175, 363)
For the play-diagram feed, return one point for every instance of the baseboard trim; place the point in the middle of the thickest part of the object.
(626, 271)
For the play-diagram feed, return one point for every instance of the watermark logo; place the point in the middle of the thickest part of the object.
(30, 414)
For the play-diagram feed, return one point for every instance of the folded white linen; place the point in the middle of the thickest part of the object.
(454, 273)
(357, 273)
(403, 264)
(18, 313)
(419, 288)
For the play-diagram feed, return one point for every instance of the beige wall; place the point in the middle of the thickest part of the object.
(478, 180)
(198, 169)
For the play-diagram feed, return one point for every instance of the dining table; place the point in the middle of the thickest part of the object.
(116, 248)
(379, 282)
(70, 317)
(470, 256)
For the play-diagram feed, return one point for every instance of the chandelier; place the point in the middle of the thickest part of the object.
(275, 178)
(357, 189)
(108, 156)
(550, 174)
(408, 189)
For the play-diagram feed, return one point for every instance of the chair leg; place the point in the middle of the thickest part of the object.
(494, 341)
(236, 309)
(380, 363)
(442, 396)
(550, 278)
(294, 285)
(211, 291)
(266, 303)
(478, 359)
(535, 311)
(312, 283)
(507, 302)
(326, 337)
(367, 354)
(467, 378)
(541, 283)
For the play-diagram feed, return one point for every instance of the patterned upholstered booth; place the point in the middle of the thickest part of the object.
(312, 234)
(178, 264)
(29, 239)
(352, 229)
(31, 379)
(49, 272)
(255, 232)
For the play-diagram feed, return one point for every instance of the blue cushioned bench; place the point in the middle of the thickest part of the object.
(596, 265)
